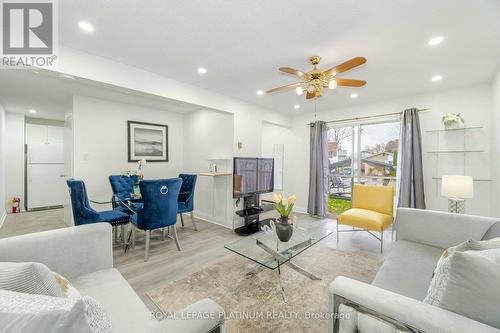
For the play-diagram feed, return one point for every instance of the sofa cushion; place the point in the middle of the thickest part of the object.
(126, 310)
(408, 269)
(29, 278)
(365, 219)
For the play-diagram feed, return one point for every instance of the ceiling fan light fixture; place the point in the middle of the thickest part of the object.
(332, 84)
(299, 91)
(311, 88)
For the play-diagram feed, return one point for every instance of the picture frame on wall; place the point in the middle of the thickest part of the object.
(147, 141)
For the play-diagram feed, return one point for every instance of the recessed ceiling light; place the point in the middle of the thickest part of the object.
(435, 40)
(202, 70)
(436, 78)
(296, 106)
(33, 111)
(66, 76)
(260, 93)
(86, 26)
(354, 95)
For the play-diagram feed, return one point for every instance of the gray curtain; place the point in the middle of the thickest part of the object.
(411, 177)
(318, 170)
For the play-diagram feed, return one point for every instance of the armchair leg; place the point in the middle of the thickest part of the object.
(148, 236)
(182, 220)
(192, 219)
(337, 232)
(176, 238)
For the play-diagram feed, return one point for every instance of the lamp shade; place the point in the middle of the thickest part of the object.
(457, 187)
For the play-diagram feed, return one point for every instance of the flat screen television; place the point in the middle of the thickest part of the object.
(252, 176)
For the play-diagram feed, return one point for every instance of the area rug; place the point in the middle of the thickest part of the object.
(255, 303)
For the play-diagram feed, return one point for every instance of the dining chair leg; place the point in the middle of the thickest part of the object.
(176, 238)
(182, 220)
(192, 219)
(148, 236)
(162, 234)
(115, 230)
(122, 232)
(133, 236)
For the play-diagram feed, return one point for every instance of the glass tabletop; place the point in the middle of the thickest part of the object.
(106, 198)
(267, 250)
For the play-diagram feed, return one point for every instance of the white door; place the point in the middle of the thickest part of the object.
(46, 153)
(46, 185)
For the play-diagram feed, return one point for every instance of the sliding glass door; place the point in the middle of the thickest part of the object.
(360, 153)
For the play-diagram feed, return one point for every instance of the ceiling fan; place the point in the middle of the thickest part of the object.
(316, 80)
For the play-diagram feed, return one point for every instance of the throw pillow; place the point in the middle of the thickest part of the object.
(467, 283)
(29, 277)
(470, 245)
(66, 287)
(20, 312)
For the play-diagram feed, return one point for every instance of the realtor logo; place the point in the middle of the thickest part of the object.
(29, 33)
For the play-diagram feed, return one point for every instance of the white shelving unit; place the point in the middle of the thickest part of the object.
(218, 189)
(462, 151)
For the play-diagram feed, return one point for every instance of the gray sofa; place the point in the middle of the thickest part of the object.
(393, 302)
(84, 255)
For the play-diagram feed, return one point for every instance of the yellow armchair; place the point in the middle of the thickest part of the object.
(372, 210)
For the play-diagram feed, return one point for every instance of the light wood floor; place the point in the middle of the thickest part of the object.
(200, 248)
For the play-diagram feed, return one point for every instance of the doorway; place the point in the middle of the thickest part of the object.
(364, 153)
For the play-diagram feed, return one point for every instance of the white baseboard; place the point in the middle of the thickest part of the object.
(207, 218)
(2, 218)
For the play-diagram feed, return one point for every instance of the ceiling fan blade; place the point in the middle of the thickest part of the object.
(292, 71)
(350, 83)
(349, 64)
(288, 86)
(310, 95)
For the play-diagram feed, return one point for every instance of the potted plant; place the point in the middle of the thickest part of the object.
(452, 121)
(284, 225)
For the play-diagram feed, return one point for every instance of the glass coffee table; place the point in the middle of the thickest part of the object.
(269, 252)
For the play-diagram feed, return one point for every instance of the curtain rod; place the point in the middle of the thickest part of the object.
(368, 117)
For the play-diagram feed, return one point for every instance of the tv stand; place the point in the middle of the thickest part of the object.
(250, 213)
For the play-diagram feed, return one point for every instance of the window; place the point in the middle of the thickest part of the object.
(361, 153)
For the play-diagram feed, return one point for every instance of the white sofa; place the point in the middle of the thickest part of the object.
(393, 302)
(84, 255)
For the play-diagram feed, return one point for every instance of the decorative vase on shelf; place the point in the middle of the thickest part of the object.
(452, 121)
(284, 225)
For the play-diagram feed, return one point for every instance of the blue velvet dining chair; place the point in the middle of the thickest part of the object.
(186, 197)
(83, 213)
(159, 211)
(123, 187)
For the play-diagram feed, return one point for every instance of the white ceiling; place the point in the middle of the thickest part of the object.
(51, 96)
(243, 42)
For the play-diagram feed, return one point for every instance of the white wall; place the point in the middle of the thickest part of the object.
(247, 116)
(209, 137)
(495, 152)
(2, 165)
(474, 102)
(14, 153)
(100, 142)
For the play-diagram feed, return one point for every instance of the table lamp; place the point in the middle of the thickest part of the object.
(457, 189)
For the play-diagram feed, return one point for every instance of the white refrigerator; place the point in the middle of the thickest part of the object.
(45, 172)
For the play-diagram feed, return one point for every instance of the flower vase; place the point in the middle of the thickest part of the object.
(284, 229)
